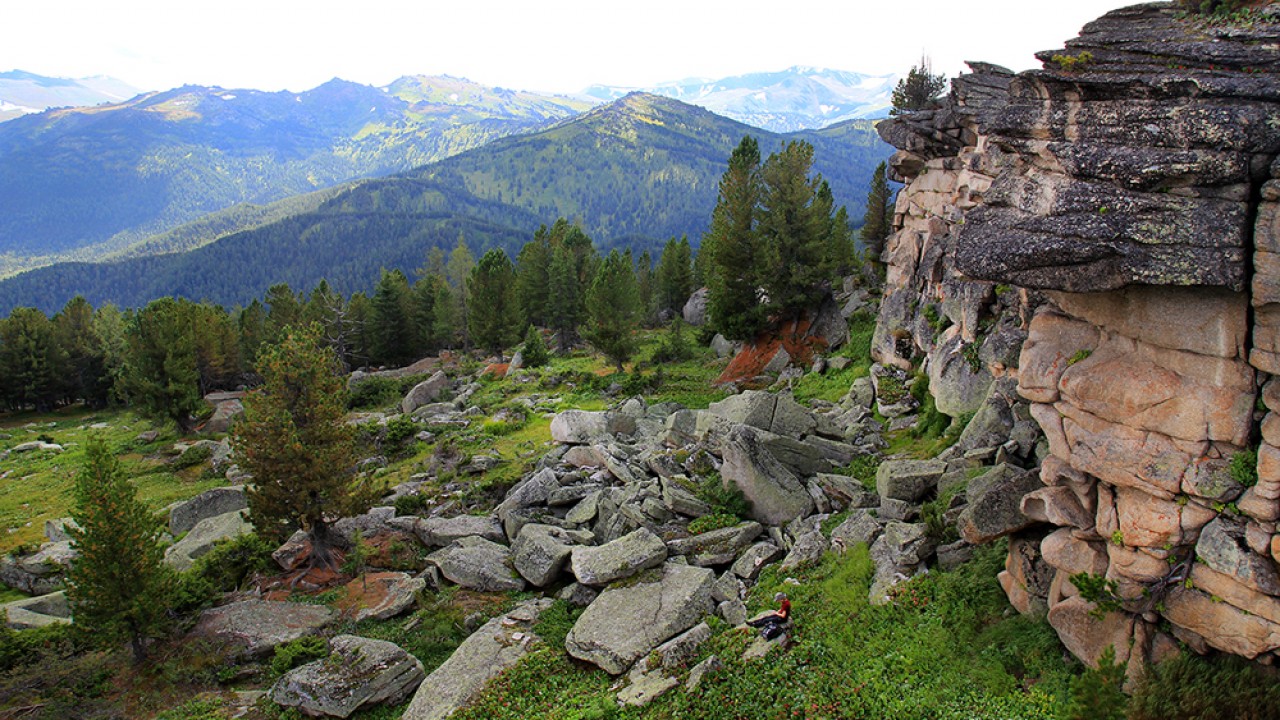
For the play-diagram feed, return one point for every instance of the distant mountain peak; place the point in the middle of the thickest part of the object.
(24, 93)
(799, 97)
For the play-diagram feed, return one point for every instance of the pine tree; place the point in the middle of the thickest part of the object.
(118, 586)
(162, 378)
(534, 350)
(461, 261)
(614, 306)
(284, 310)
(86, 375)
(494, 316)
(252, 326)
(294, 443)
(431, 312)
(732, 271)
(32, 363)
(878, 221)
(675, 275)
(532, 280)
(801, 244)
(919, 89)
(646, 281)
(391, 329)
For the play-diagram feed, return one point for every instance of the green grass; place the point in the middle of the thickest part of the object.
(946, 649)
(37, 485)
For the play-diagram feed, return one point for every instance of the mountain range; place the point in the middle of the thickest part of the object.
(91, 181)
(794, 99)
(23, 93)
(632, 173)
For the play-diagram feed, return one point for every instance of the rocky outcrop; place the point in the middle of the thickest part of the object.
(257, 627)
(185, 515)
(1099, 238)
(496, 646)
(358, 673)
(628, 621)
(202, 538)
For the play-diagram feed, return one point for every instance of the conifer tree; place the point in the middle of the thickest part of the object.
(494, 316)
(252, 326)
(431, 312)
(391, 328)
(565, 301)
(733, 271)
(645, 286)
(32, 363)
(109, 325)
(532, 279)
(162, 378)
(675, 275)
(86, 375)
(801, 244)
(118, 586)
(292, 440)
(878, 221)
(919, 89)
(284, 310)
(614, 306)
(458, 270)
(534, 350)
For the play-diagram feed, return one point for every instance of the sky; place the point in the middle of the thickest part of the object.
(558, 46)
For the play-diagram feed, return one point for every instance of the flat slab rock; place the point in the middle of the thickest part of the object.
(359, 672)
(628, 621)
(496, 646)
(258, 626)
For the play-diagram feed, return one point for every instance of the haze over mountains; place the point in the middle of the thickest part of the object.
(633, 173)
(85, 182)
(797, 98)
(266, 172)
(23, 93)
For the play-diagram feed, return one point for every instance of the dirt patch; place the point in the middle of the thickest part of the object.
(793, 337)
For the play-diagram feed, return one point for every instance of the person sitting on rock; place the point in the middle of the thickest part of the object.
(777, 622)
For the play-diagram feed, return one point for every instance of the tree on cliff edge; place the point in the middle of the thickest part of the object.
(878, 222)
(919, 89)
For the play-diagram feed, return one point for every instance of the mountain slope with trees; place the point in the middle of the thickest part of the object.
(634, 173)
(87, 181)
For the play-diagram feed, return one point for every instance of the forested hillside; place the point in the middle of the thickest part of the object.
(90, 181)
(633, 174)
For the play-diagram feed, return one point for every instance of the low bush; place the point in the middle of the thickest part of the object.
(298, 652)
(1214, 688)
(716, 521)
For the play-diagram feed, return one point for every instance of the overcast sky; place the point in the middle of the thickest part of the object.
(548, 45)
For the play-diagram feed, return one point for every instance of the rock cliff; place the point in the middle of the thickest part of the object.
(1096, 244)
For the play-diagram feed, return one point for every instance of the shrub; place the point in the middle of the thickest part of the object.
(226, 567)
(1097, 694)
(674, 345)
(1205, 688)
(715, 521)
(534, 350)
(724, 500)
(1072, 63)
(24, 647)
(1212, 7)
(298, 652)
(1244, 467)
(863, 469)
(192, 456)
(555, 622)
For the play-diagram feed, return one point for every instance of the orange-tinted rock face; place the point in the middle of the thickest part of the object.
(1131, 207)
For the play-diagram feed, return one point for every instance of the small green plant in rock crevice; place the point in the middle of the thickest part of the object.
(1244, 467)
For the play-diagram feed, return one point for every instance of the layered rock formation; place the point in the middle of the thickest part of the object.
(1097, 244)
